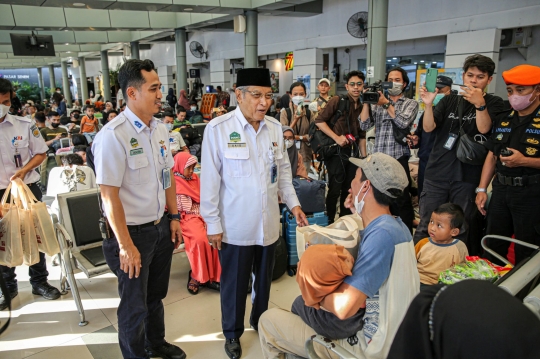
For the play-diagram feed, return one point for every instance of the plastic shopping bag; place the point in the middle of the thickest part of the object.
(344, 232)
(11, 252)
(28, 231)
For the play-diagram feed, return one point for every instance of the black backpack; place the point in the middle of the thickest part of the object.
(323, 146)
(280, 258)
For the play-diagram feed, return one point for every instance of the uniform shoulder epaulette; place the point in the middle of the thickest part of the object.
(219, 120)
(117, 121)
(273, 120)
(22, 119)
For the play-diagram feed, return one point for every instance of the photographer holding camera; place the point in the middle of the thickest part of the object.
(391, 116)
(350, 141)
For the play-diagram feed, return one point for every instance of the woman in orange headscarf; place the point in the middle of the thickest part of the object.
(204, 260)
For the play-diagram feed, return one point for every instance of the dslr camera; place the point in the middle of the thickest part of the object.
(372, 94)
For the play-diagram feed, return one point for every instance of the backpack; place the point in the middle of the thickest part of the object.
(189, 133)
(323, 146)
(280, 258)
(289, 114)
(196, 119)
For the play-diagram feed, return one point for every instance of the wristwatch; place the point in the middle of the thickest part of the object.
(478, 189)
(388, 104)
(174, 217)
(481, 108)
(301, 138)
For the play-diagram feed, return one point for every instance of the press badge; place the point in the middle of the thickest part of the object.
(166, 176)
(451, 141)
(298, 144)
(273, 173)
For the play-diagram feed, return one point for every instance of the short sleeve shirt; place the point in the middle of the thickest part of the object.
(176, 141)
(374, 261)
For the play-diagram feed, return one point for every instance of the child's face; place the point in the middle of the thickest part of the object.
(440, 228)
(90, 112)
(188, 171)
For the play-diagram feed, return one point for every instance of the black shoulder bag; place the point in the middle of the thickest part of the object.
(324, 146)
(469, 150)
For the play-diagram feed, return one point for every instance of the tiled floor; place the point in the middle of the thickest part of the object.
(42, 329)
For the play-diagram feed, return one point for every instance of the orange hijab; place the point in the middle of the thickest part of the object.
(187, 186)
(321, 270)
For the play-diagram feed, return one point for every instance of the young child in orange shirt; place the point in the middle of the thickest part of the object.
(89, 124)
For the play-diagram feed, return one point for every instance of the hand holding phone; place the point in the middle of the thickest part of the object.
(431, 79)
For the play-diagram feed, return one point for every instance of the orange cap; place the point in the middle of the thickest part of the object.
(525, 75)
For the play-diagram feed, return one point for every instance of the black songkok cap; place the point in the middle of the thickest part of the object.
(253, 77)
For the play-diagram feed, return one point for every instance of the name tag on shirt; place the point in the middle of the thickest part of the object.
(166, 176)
(236, 145)
(135, 152)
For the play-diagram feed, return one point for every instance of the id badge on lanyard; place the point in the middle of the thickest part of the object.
(451, 141)
(273, 165)
(17, 156)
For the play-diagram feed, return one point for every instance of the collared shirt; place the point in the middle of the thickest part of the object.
(238, 197)
(19, 135)
(385, 142)
(176, 141)
(344, 124)
(132, 156)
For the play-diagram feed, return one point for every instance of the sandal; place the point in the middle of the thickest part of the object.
(213, 285)
(193, 285)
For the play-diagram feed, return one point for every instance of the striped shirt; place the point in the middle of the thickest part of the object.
(186, 205)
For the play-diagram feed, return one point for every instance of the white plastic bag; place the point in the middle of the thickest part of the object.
(11, 251)
(344, 232)
(28, 231)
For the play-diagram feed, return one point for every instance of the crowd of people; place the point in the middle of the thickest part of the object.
(193, 185)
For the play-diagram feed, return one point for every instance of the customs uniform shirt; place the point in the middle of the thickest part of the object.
(132, 156)
(18, 135)
(239, 197)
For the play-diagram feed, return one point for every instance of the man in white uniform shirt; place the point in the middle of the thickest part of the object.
(244, 171)
(22, 149)
(133, 164)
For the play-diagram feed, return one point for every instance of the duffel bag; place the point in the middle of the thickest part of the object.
(310, 193)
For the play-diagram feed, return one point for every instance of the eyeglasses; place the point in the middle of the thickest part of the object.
(258, 95)
(356, 84)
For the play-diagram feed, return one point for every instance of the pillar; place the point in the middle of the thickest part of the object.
(462, 44)
(41, 83)
(377, 37)
(65, 84)
(135, 50)
(52, 78)
(181, 61)
(220, 73)
(106, 78)
(309, 62)
(84, 85)
(251, 57)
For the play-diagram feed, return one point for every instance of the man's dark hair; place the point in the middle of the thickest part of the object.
(89, 106)
(218, 88)
(40, 108)
(78, 140)
(351, 74)
(64, 120)
(457, 217)
(5, 86)
(168, 114)
(180, 109)
(481, 62)
(57, 98)
(112, 111)
(79, 148)
(296, 84)
(39, 117)
(53, 114)
(193, 102)
(75, 111)
(130, 74)
(381, 198)
(72, 159)
(58, 88)
(403, 75)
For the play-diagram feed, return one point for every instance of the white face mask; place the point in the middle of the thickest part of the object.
(397, 89)
(3, 110)
(169, 126)
(289, 143)
(359, 206)
(193, 108)
(298, 100)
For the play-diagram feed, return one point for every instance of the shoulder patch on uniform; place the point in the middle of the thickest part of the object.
(35, 131)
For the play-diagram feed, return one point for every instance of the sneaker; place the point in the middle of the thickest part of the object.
(46, 290)
(166, 351)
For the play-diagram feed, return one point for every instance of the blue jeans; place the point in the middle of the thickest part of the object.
(38, 272)
(140, 313)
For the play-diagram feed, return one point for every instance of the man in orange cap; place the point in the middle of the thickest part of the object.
(515, 159)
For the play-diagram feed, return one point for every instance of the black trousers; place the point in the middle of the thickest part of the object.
(461, 193)
(141, 320)
(341, 172)
(38, 272)
(513, 210)
(403, 205)
(237, 263)
(422, 164)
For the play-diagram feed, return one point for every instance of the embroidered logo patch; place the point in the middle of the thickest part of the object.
(500, 136)
(134, 143)
(536, 125)
(235, 137)
(504, 124)
(536, 119)
(531, 151)
(138, 124)
(533, 141)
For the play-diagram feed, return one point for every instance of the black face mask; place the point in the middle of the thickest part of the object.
(76, 116)
(55, 125)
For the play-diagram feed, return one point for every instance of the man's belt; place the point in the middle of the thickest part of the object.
(141, 226)
(518, 181)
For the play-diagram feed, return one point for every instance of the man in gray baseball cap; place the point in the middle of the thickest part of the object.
(384, 279)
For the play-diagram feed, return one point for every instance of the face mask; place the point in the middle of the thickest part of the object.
(298, 100)
(359, 206)
(76, 116)
(55, 125)
(519, 103)
(169, 126)
(289, 143)
(396, 90)
(58, 91)
(438, 97)
(3, 110)
(193, 108)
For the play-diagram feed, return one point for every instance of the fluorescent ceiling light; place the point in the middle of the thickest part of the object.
(188, 9)
(416, 63)
(434, 62)
(39, 28)
(394, 58)
(388, 60)
(67, 43)
(79, 4)
(421, 60)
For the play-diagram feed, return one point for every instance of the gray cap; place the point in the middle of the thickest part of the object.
(383, 171)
